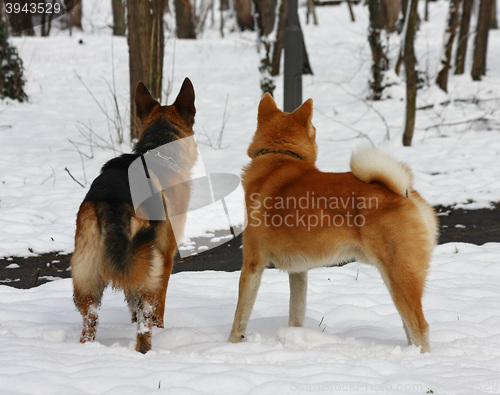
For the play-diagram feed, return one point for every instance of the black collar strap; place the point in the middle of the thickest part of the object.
(278, 151)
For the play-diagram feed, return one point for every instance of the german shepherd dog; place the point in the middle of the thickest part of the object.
(300, 218)
(114, 243)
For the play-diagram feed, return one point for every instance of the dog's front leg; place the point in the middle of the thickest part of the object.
(251, 274)
(298, 296)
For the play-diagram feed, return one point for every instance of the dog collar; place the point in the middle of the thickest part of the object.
(278, 151)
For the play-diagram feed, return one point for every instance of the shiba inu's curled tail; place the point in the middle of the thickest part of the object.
(130, 256)
(370, 164)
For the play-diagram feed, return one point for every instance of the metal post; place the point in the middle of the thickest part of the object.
(293, 60)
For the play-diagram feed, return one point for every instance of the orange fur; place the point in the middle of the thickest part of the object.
(300, 218)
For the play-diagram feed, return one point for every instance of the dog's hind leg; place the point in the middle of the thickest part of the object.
(144, 311)
(251, 274)
(88, 284)
(298, 296)
(132, 305)
(406, 285)
(159, 308)
(88, 305)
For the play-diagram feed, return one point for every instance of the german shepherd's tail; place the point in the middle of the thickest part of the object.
(131, 261)
(370, 164)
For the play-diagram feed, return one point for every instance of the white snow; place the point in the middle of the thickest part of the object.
(353, 341)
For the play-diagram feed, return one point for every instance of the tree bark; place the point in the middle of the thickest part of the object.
(411, 73)
(463, 37)
(380, 62)
(146, 41)
(311, 10)
(244, 15)
(266, 15)
(389, 12)
(21, 22)
(119, 26)
(280, 38)
(494, 20)
(481, 42)
(351, 11)
(184, 19)
(453, 13)
(76, 15)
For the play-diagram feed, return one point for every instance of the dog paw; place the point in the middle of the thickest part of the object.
(235, 338)
(158, 322)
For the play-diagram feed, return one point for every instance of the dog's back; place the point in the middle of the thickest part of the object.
(124, 244)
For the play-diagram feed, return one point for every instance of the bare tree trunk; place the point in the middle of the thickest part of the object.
(76, 14)
(481, 43)
(277, 47)
(244, 15)
(73, 16)
(411, 73)
(47, 24)
(266, 15)
(351, 11)
(146, 41)
(380, 62)
(224, 5)
(311, 9)
(280, 38)
(463, 37)
(157, 43)
(119, 26)
(389, 13)
(404, 7)
(21, 22)
(184, 19)
(494, 20)
(453, 13)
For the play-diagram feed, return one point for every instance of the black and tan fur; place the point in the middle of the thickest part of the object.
(113, 244)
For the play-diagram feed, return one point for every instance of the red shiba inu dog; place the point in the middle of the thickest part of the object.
(300, 218)
(113, 242)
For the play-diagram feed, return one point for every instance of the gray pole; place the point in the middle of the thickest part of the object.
(293, 60)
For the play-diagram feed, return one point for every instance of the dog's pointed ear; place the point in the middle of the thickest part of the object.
(267, 107)
(184, 103)
(144, 101)
(304, 113)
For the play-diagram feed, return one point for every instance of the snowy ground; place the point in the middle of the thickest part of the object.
(353, 340)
